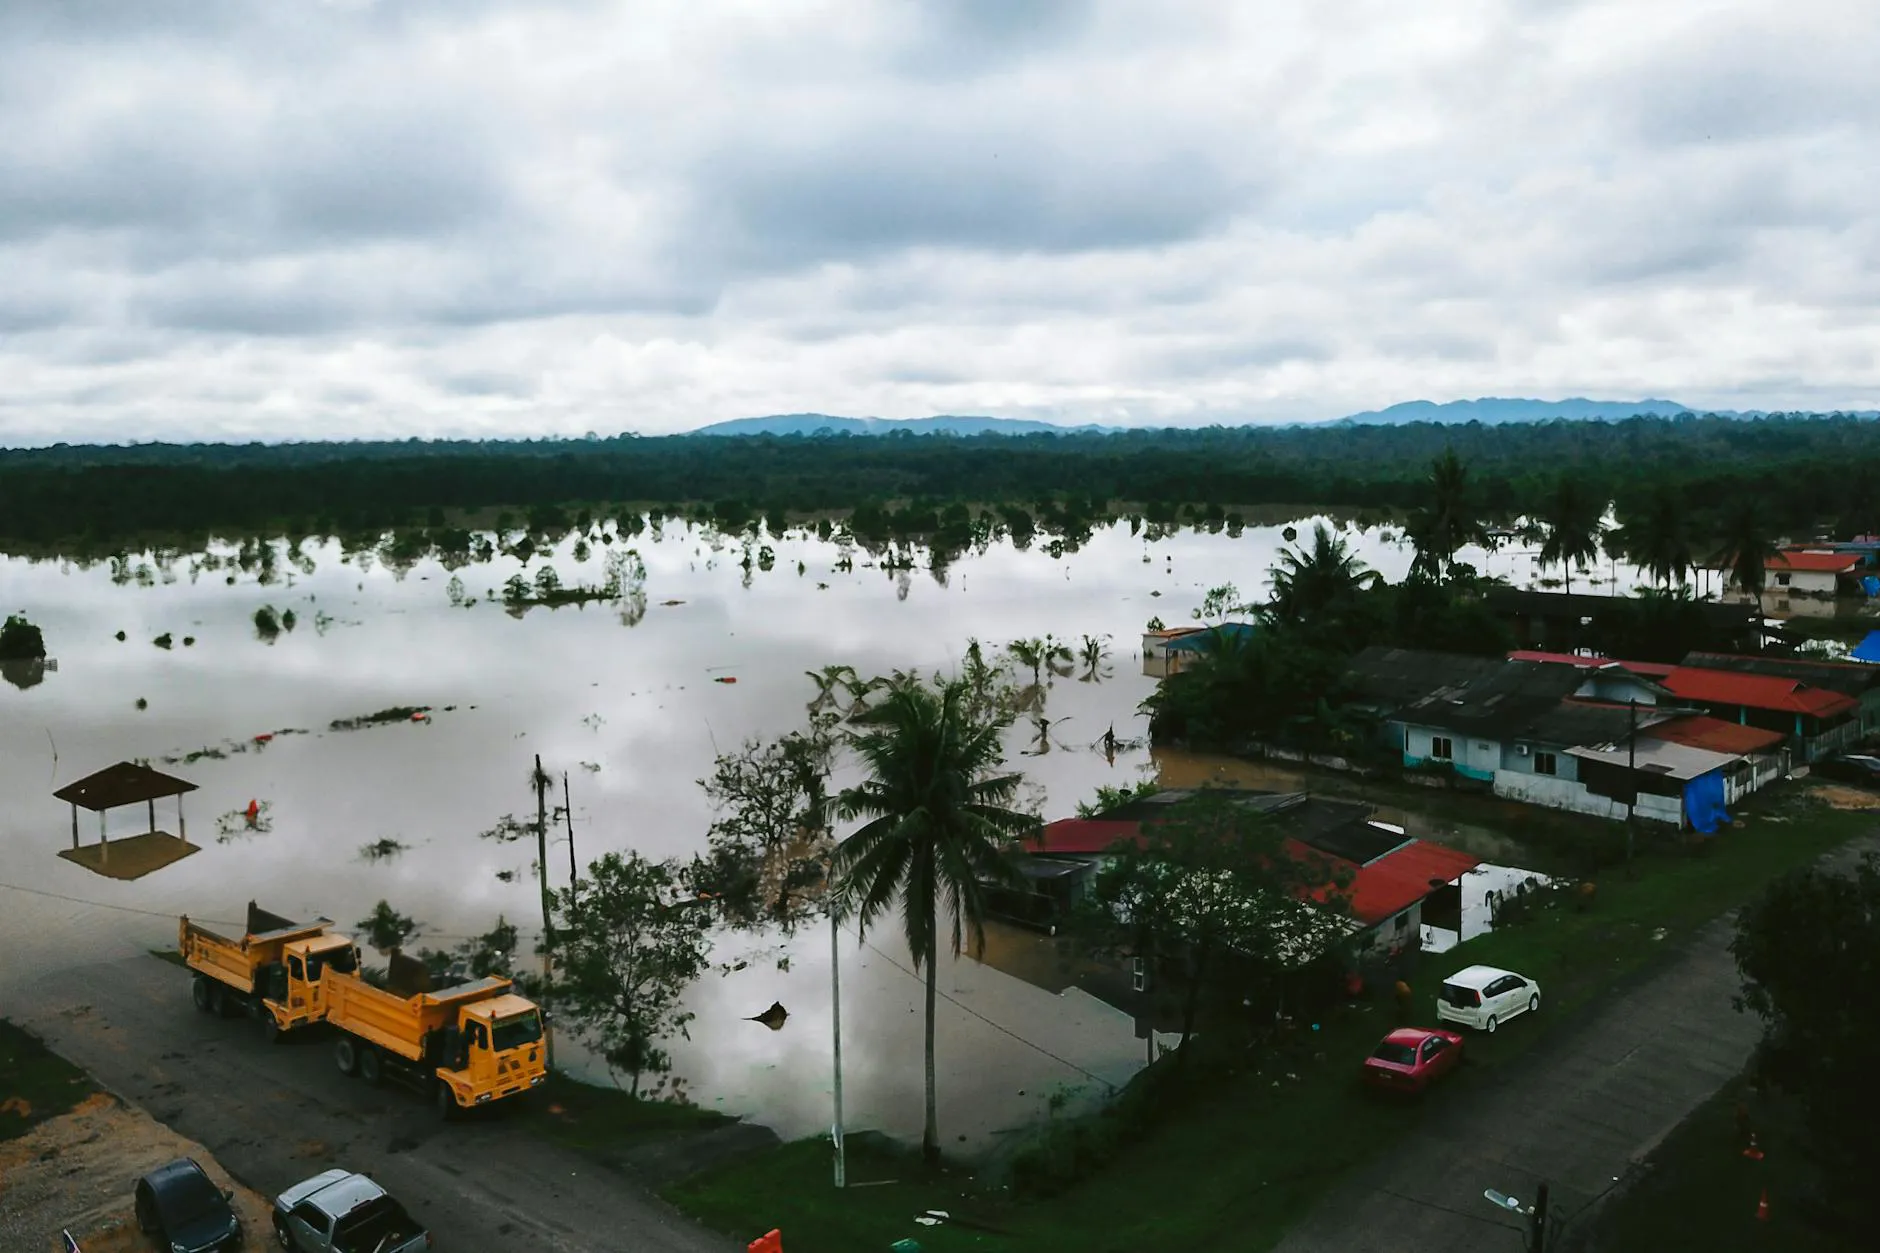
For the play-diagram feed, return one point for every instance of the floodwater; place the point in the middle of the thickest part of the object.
(632, 713)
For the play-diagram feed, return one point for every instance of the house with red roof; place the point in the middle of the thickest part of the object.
(1817, 722)
(1388, 874)
(1809, 572)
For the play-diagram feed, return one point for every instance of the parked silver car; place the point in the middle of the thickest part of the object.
(341, 1212)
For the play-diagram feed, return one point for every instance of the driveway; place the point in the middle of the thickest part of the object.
(1578, 1112)
(275, 1114)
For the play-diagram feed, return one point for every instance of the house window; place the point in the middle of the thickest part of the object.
(1544, 763)
(1782, 580)
(1403, 920)
(1440, 748)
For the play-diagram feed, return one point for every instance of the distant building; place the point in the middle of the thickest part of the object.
(1168, 651)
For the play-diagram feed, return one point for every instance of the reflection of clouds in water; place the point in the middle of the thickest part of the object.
(527, 686)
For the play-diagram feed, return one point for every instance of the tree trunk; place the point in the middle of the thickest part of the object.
(930, 1134)
(1192, 1002)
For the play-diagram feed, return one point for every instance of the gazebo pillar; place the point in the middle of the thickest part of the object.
(182, 831)
(153, 815)
(74, 827)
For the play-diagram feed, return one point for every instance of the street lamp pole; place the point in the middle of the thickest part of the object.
(835, 1018)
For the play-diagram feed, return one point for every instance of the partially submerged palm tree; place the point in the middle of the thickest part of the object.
(1574, 522)
(831, 682)
(1744, 547)
(1658, 537)
(1094, 653)
(939, 818)
(1307, 582)
(1449, 521)
(1039, 655)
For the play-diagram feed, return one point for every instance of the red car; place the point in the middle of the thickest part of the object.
(1411, 1058)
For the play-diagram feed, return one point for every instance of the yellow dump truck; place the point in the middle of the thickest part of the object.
(469, 1044)
(277, 972)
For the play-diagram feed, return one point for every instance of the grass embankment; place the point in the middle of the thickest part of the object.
(606, 1121)
(35, 1083)
(1698, 1191)
(1237, 1164)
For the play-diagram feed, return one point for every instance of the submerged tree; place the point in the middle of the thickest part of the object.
(621, 955)
(1449, 520)
(1744, 547)
(1040, 655)
(1573, 520)
(937, 817)
(20, 640)
(768, 848)
(1657, 535)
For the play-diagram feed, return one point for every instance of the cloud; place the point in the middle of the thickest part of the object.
(233, 220)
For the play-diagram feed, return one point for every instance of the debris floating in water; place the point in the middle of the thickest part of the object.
(774, 1017)
(726, 678)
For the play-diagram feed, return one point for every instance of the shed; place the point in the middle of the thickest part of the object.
(127, 783)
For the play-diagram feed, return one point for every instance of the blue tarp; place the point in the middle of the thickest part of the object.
(1703, 803)
(1870, 585)
(1868, 649)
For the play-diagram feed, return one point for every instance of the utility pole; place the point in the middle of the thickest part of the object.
(567, 809)
(1631, 777)
(835, 1018)
(540, 780)
(1537, 1221)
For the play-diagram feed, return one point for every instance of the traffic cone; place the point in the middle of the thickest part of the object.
(1752, 1152)
(1762, 1207)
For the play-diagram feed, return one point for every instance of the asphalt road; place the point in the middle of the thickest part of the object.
(1579, 1112)
(276, 1114)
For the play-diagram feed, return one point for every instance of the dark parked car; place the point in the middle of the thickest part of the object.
(1850, 768)
(180, 1207)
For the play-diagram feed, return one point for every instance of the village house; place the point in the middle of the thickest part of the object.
(1849, 678)
(1391, 874)
(1169, 650)
(1816, 722)
(1155, 642)
(1381, 681)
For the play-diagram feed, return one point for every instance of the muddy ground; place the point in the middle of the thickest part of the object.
(75, 1173)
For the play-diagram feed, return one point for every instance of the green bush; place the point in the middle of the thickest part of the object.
(20, 640)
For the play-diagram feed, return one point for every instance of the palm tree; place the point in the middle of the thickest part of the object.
(1307, 583)
(1658, 537)
(1039, 655)
(1744, 547)
(1094, 653)
(938, 820)
(1574, 520)
(1449, 521)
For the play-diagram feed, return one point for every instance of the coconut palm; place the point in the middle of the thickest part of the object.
(938, 820)
(1307, 583)
(1448, 521)
(1573, 521)
(1744, 546)
(1094, 654)
(1657, 535)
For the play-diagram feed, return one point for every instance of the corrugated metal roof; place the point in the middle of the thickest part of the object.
(1718, 736)
(1395, 677)
(1813, 562)
(1498, 705)
(1756, 691)
(1659, 757)
(1401, 879)
(1850, 678)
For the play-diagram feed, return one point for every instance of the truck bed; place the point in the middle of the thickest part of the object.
(398, 1023)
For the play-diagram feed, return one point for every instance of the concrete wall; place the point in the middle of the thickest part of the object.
(1472, 758)
(1555, 793)
(1378, 940)
(1514, 762)
(1803, 582)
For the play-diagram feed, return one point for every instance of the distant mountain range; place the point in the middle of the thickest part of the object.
(1490, 411)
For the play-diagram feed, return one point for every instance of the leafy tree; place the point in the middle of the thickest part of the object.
(1574, 520)
(1744, 547)
(1449, 520)
(267, 624)
(1220, 603)
(1108, 798)
(1808, 950)
(769, 845)
(1243, 686)
(938, 817)
(20, 640)
(1215, 889)
(491, 954)
(622, 954)
(385, 928)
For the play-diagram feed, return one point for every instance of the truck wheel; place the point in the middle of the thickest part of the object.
(270, 1028)
(199, 993)
(371, 1067)
(446, 1101)
(218, 1003)
(281, 1233)
(346, 1054)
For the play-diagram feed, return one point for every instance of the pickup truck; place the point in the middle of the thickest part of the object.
(341, 1212)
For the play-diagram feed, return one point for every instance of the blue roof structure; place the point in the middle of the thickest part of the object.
(1201, 641)
(1868, 649)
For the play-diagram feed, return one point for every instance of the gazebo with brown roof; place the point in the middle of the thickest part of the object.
(126, 784)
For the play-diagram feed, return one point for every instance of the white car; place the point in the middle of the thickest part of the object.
(1484, 997)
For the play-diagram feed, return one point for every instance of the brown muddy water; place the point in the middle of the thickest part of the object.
(631, 709)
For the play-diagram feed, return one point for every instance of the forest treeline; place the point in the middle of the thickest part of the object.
(1808, 472)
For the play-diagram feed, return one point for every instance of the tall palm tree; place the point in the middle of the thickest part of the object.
(1449, 520)
(938, 819)
(1308, 582)
(1657, 535)
(1574, 521)
(1744, 546)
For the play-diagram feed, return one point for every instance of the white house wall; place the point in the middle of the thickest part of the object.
(1473, 758)
(1555, 793)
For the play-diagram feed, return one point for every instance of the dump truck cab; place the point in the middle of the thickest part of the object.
(296, 994)
(501, 1050)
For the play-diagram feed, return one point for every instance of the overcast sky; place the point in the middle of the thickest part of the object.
(294, 218)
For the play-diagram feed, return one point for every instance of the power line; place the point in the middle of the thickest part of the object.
(1063, 1061)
